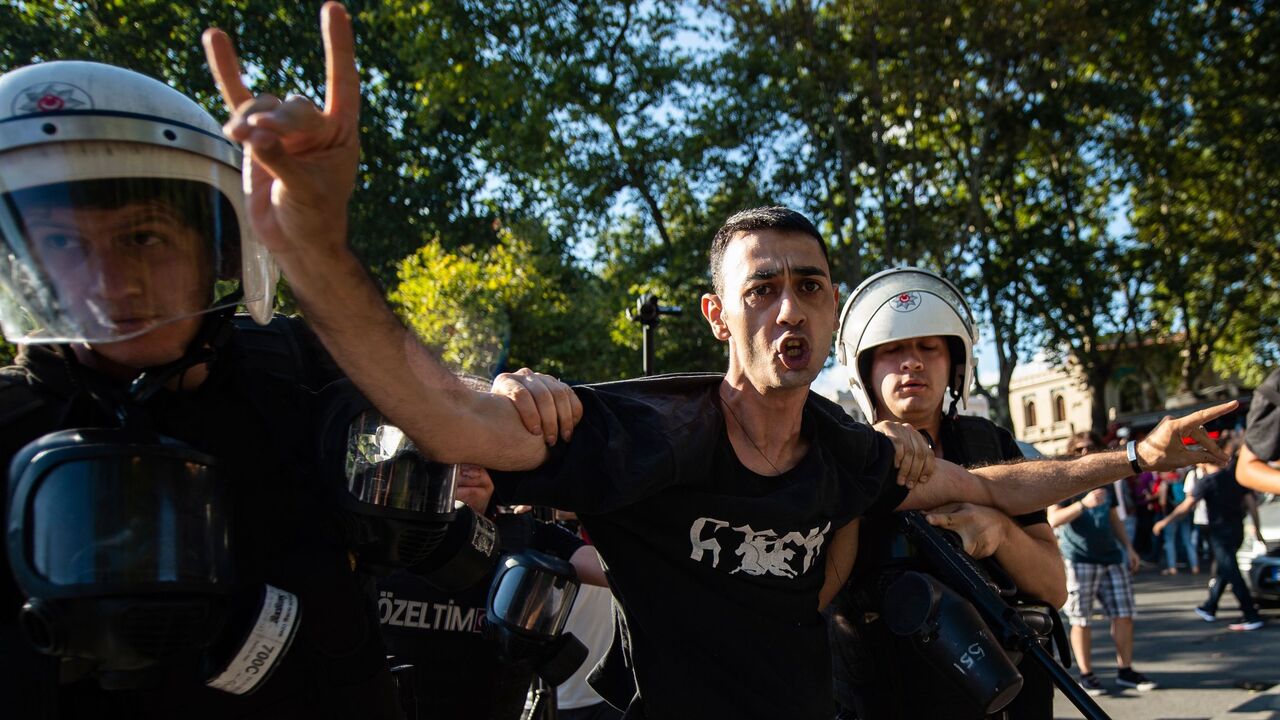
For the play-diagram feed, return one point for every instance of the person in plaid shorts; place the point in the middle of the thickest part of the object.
(1100, 564)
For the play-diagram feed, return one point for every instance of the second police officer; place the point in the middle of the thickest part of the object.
(906, 337)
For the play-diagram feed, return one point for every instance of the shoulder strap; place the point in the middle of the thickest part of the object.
(831, 414)
(272, 348)
(847, 440)
(27, 410)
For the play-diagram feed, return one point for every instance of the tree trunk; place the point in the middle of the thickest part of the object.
(854, 251)
(827, 115)
(1004, 412)
(1097, 378)
(1192, 365)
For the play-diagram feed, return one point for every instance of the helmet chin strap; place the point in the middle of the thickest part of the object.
(957, 381)
(952, 412)
(214, 333)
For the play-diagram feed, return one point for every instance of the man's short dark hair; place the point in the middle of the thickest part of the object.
(761, 218)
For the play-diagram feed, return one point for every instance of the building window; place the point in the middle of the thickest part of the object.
(1030, 413)
(1059, 409)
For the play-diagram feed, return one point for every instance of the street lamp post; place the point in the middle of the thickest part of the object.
(648, 313)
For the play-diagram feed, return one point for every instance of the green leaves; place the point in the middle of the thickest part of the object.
(466, 302)
(1089, 172)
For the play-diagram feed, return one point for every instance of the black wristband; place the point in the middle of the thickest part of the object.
(1131, 452)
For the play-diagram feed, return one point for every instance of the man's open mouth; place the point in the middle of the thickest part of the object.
(794, 353)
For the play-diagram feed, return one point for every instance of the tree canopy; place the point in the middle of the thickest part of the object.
(1091, 174)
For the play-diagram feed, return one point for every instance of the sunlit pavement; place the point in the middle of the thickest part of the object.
(1203, 668)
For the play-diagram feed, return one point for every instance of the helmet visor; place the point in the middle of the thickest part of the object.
(534, 600)
(87, 258)
(384, 469)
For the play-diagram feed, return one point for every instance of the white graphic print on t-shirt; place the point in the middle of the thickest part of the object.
(761, 551)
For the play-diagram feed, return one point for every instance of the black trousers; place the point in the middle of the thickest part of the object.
(1225, 544)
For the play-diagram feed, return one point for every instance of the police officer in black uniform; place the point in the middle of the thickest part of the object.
(906, 336)
(170, 551)
(123, 216)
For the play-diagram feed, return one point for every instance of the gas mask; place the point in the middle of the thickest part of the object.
(397, 506)
(465, 554)
(120, 539)
(399, 503)
(529, 603)
(949, 633)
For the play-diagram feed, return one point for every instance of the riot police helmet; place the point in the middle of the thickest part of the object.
(122, 208)
(902, 304)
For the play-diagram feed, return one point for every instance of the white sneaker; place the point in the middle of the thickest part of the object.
(1246, 626)
(1205, 615)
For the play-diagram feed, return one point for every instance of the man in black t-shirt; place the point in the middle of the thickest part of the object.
(717, 567)
(1261, 449)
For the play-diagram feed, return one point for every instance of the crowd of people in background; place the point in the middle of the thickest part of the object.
(1182, 543)
(1152, 520)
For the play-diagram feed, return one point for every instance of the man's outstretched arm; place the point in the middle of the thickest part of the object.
(300, 170)
(404, 380)
(1023, 487)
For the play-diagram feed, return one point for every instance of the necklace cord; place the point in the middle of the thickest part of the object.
(725, 402)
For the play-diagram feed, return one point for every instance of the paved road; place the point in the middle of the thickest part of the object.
(1200, 666)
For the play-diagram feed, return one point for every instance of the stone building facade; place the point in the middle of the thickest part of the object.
(1050, 403)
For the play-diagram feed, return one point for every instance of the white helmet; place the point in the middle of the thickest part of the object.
(900, 304)
(79, 141)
